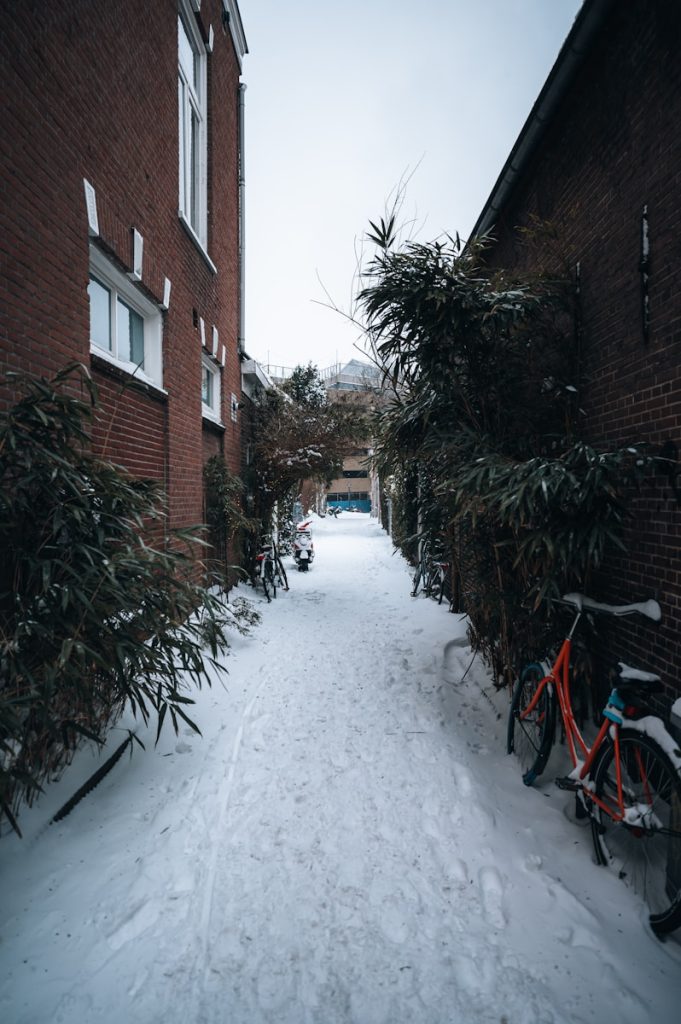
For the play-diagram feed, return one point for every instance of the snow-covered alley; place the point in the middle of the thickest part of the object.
(347, 842)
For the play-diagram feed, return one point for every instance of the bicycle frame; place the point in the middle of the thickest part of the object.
(264, 562)
(559, 677)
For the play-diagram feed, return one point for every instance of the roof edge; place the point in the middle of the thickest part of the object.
(570, 57)
(236, 27)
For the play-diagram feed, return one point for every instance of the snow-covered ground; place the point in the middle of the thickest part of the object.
(347, 842)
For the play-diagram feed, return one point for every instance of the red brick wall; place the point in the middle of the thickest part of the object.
(90, 91)
(613, 147)
(130, 425)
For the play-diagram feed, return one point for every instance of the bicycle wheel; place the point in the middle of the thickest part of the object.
(646, 850)
(269, 577)
(430, 583)
(531, 738)
(442, 577)
(418, 576)
(283, 579)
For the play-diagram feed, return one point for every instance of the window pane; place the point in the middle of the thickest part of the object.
(183, 145)
(186, 51)
(129, 335)
(137, 339)
(192, 118)
(100, 314)
(206, 387)
(194, 184)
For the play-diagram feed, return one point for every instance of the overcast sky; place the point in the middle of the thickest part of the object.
(346, 99)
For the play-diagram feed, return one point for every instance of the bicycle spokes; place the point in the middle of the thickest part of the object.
(637, 823)
(531, 722)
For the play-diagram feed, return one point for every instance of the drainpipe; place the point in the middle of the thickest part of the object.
(242, 224)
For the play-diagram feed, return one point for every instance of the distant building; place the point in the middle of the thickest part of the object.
(358, 486)
(352, 376)
(352, 489)
(121, 171)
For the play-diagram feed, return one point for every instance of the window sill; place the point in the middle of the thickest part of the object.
(127, 371)
(197, 242)
(213, 423)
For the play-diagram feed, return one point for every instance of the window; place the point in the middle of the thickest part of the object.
(334, 496)
(210, 389)
(193, 116)
(352, 473)
(125, 327)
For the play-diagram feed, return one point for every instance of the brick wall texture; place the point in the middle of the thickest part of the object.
(612, 148)
(90, 90)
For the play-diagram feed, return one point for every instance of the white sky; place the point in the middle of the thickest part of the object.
(345, 100)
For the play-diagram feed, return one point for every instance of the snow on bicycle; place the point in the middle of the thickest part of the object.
(628, 781)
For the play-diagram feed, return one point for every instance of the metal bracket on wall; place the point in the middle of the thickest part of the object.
(579, 324)
(644, 270)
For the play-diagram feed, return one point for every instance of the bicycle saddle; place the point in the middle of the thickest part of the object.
(635, 681)
(650, 609)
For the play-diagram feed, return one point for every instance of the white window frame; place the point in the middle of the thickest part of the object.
(120, 286)
(193, 99)
(213, 411)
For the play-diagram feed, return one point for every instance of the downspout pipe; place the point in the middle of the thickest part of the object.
(242, 222)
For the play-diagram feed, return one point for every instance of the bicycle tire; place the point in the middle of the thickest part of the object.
(269, 576)
(263, 580)
(417, 579)
(531, 739)
(647, 857)
(441, 589)
(435, 584)
(282, 573)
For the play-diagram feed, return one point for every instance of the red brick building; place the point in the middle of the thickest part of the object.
(599, 159)
(120, 175)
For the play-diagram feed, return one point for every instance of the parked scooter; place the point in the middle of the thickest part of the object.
(303, 547)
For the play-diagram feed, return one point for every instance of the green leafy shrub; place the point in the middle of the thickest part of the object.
(226, 518)
(486, 405)
(92, 615)
(298, 436)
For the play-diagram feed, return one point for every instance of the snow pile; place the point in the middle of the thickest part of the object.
(346, 844)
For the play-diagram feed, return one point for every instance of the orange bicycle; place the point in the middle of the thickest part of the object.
(628, 781)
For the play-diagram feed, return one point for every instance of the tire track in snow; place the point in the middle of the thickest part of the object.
(200, 973)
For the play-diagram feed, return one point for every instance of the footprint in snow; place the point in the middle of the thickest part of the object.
(458, 871)
(275, 986)
(473, 976)
(492, 891)
(393, 923)
(533, 862)
(462, 780)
